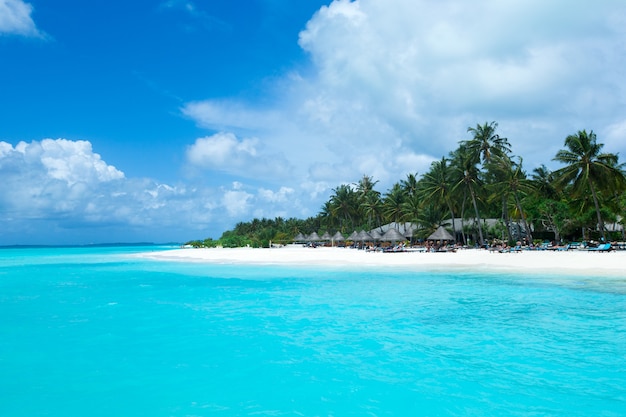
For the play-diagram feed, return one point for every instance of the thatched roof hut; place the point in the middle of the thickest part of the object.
(441, 234)
(393, 235)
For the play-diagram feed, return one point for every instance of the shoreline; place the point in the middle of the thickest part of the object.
(574, 262)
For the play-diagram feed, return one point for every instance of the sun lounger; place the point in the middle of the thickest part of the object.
(605, 247)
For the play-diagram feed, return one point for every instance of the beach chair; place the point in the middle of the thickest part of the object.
(605, 247)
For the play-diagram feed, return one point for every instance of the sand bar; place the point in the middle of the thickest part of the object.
(574, 262)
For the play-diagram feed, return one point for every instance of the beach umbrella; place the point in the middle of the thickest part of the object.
(337, 237)
(363, 236)
(354, 236)
(375, 233)
(326, 236)
(299, 238)
(441, 234)
(393, 235)
(314, 237)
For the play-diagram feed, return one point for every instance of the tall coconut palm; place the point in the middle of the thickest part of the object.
(411, 207)
(589, 170)
(543, 180)
(410, 185)
(393, 204)
(366, 186)
(514, 183)
(343, 204)
(486, 143)
(372, 208)
(466, 175)
(437, 185)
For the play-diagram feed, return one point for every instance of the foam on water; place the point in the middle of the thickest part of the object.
(92, 332)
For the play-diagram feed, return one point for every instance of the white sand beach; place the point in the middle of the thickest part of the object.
(574, 262)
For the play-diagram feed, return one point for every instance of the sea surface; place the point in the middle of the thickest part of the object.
(98, 332)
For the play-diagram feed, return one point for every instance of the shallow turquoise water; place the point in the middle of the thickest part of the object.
(92, 332)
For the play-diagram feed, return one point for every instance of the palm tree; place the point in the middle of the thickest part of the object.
(411, 207)
(430, 218)
(547, 202)
(368, 200)
(589, 170)
(543, 180)
(343, 205)
(366, 186)
(466, 174)
(513, 183)
(393, 204)
(409, 185)
(372, 208)
(437, 185)
(486, 143)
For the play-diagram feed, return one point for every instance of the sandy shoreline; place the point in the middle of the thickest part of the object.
(574, 262)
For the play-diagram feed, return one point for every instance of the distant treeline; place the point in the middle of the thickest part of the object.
(585, 199)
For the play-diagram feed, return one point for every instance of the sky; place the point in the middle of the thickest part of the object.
(173, 120)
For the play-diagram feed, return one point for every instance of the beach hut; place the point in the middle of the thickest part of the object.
(376, 235)
(364, 236)
(393, 236)
(441, 234)
(313, 237)
(337, 237)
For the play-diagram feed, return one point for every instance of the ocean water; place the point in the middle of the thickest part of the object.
(96, 332)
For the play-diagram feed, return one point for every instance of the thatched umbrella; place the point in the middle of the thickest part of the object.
(313, 237)
(441, 234)
(326, 236)
(363, 236)
(337, 237)
(299, 238)
(354, 236)
(375, 233)
(392, 235)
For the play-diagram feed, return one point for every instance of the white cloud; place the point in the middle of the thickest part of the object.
(280, 196)
(224, 115)
(395, 84)
(246, 157)
(221, 150)
(60, 159)
(15, 18)
(236, 203)
(70, 191)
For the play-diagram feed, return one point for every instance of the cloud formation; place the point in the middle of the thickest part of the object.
(63, 186)
(245, 158)
(15, 19)
(394, 85)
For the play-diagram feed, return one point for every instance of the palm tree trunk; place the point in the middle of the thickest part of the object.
(462, 217)
(595, 202)
(452, 215)
(519, 208)
(480, 229)
(507, 219)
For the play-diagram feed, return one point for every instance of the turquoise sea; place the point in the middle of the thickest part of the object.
(96, 332)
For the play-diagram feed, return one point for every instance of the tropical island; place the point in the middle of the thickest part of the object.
(480, 193)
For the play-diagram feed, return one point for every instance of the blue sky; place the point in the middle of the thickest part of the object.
(170, 120)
